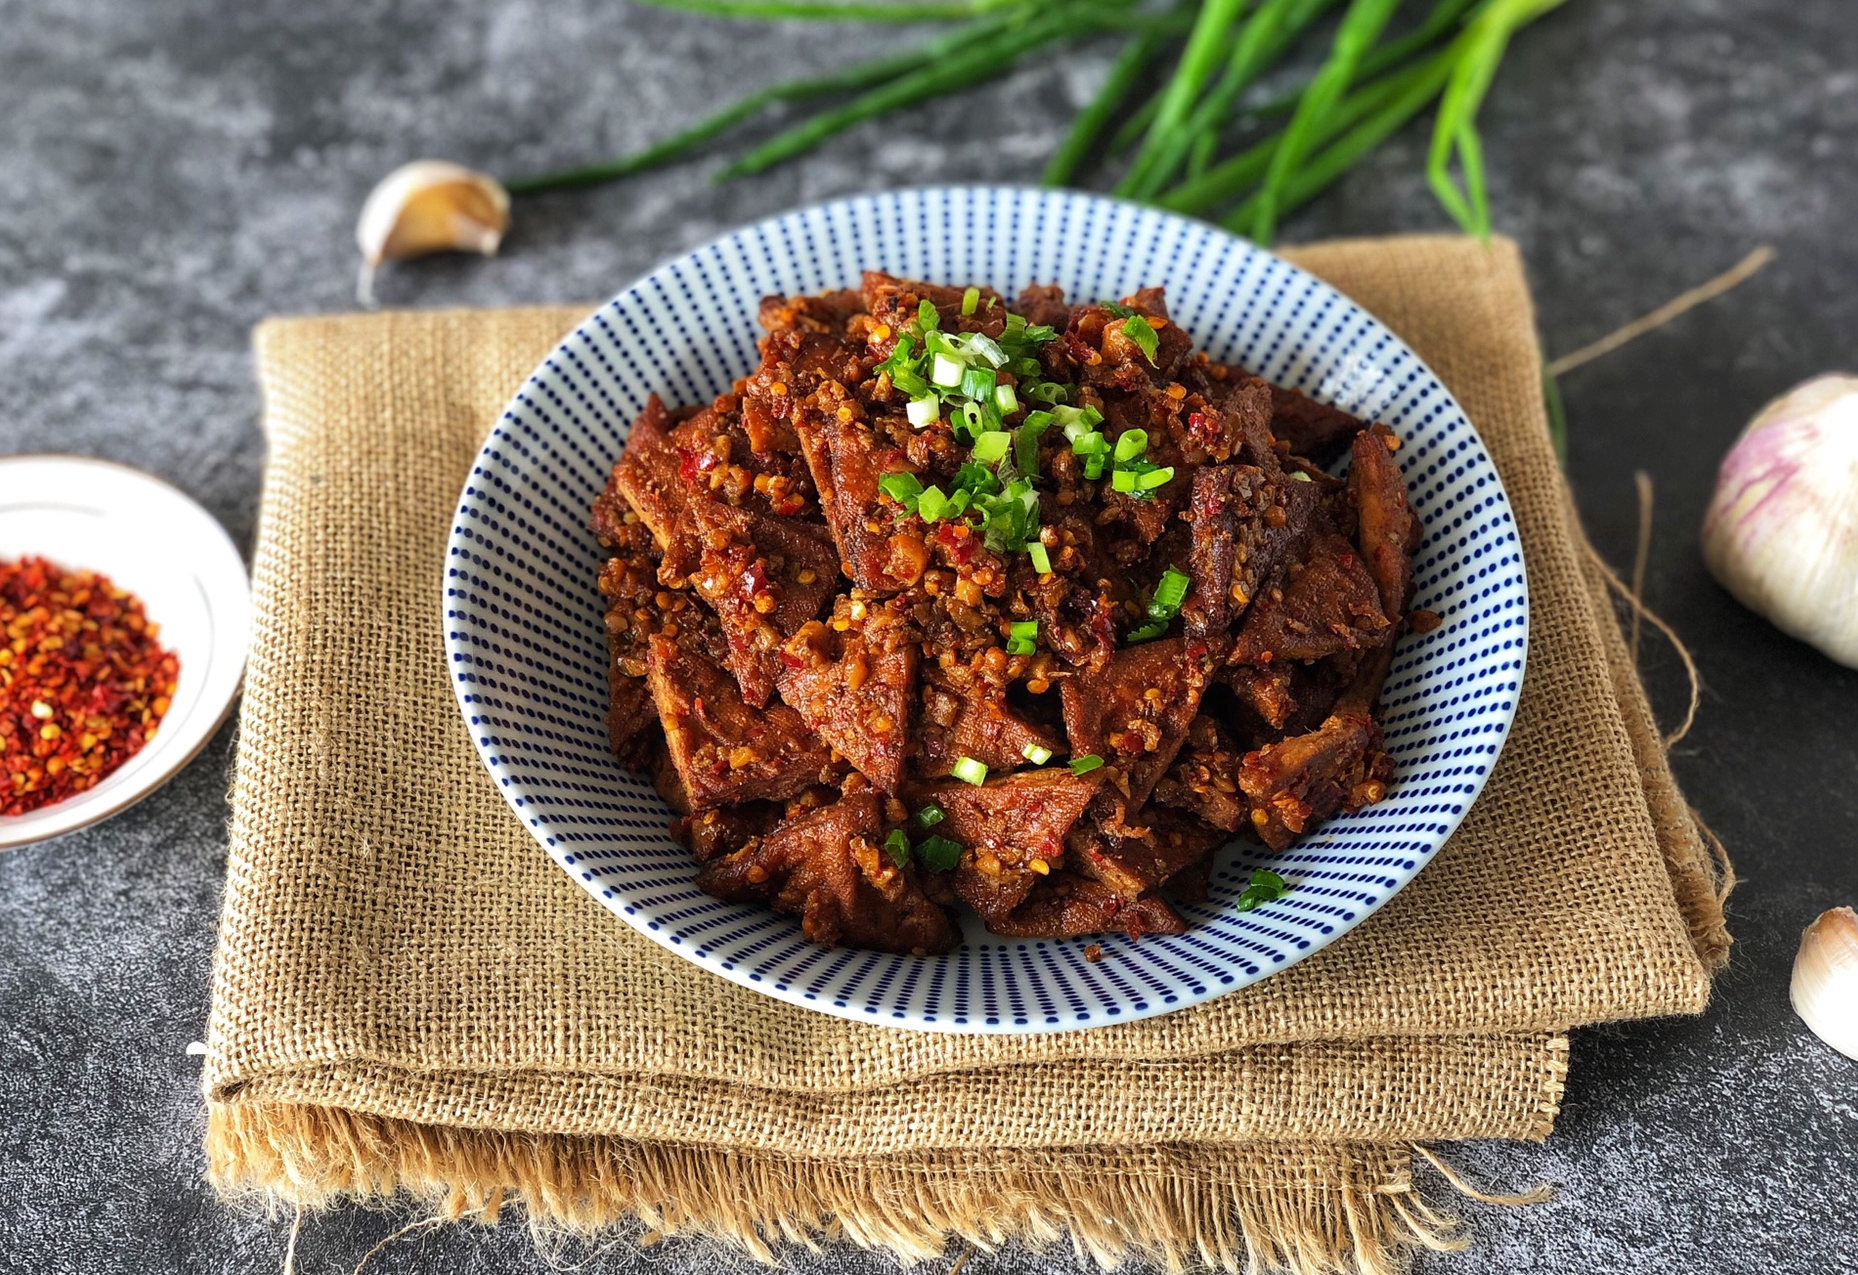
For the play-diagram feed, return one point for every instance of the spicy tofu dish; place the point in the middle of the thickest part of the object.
(1020, 605)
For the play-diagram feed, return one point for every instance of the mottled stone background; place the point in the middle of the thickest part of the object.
(171, 171)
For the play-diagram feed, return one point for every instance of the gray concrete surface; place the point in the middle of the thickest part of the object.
(173, 170)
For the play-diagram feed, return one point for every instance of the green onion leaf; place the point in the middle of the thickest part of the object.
(903, 487)
(1131, 443)
(978, 382)
(987, 348)
(898, 847)
(1149, 479)
(930, 505)
(1047, 392)
(938, 854)
(1041, 560)
(970, 300)
(1035, 754)
(1170, 592)
(976, 479)
(926, 317)
(1093, 465)
(1022, 637)
(929, 816)
(1005, 399)
(1085, 764)
(1264, 887)
(1123, 480)
(1147, 633)
(969, 771)
(992, 445)
(1137, 330)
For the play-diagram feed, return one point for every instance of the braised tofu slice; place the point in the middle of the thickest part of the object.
(1329, 605)
(1312, 429)
(828, 866)
(1305, 779)
(710, 834)
(1135, 710)
(1011, 830)
(847, 460)
(723, 750)
(1386, 528)
(1070, 905)
(966, 716)
(1133, 860)
(765, 577)
(1205, 777)
(856, 688)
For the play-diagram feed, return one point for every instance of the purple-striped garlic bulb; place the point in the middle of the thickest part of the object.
(1782, 530)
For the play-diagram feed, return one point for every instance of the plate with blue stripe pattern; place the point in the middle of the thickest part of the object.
(527, 657)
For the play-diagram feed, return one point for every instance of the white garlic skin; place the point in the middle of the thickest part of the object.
(1825, 979)
(1782, 529)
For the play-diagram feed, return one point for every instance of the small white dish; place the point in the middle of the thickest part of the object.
(155, 542)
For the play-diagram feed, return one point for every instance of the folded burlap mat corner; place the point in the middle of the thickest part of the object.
(409, 996)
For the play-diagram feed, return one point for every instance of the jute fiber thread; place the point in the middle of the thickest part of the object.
(409, 995)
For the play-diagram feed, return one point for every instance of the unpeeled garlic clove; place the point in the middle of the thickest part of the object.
(430, 205)
(1782, 530)
(1825, 979)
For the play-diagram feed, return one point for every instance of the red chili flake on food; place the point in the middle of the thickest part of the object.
(83, 682)
(693, 464)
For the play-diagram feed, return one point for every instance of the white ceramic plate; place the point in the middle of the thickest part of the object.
(153, 541)
(525, 649)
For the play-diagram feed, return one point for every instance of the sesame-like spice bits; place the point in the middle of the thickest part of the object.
(83, 682)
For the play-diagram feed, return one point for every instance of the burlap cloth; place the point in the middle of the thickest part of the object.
(409, 995)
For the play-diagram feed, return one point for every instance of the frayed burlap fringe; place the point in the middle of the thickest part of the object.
(1352, 1208)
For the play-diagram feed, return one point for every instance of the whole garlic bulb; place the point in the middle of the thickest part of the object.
(1825, 979)
(1782, 530)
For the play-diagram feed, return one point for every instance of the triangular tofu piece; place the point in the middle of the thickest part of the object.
(963, 717)
(764, 577)
(1135, 710)
(1011, 829)
(856, 695)
(723, 750)
(1330, 604)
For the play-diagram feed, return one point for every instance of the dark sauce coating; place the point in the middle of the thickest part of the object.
(806, 665)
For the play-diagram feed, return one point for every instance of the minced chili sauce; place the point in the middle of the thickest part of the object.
(83, 681)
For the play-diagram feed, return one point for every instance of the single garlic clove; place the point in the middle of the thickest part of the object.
(1825, 979)
(430, 205)
(1782, 529)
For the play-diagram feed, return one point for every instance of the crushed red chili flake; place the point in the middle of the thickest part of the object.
(83, 682)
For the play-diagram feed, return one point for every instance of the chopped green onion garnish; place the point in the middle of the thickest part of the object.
(903, 488)
(1150, 479)
(1085, 764)
(1039, 418)
(1041, 560)
(978, 382)
(970, 300)
(929, 816)
(977, 479)
(1265, 887)
(930, 505)
(1170, 592)
(1131, 443)
(969, 771)
(1300, 476)
(946, 371)
(1026, 448)
(926, 317)
(938, 854)
(1147, 633)
(1093, 465)
(987, 348)
(1136, 329)
(972, 417)
(898, 847)
(1005, 399)
(992, 445)
(1022, 637)
(1047, 392)
(1035, 754)
(1123, 480)
(925, 411)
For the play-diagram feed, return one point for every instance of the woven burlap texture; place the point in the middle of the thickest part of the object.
(402, 971)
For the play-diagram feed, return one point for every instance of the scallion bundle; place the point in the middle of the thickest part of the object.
(1198, 142)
